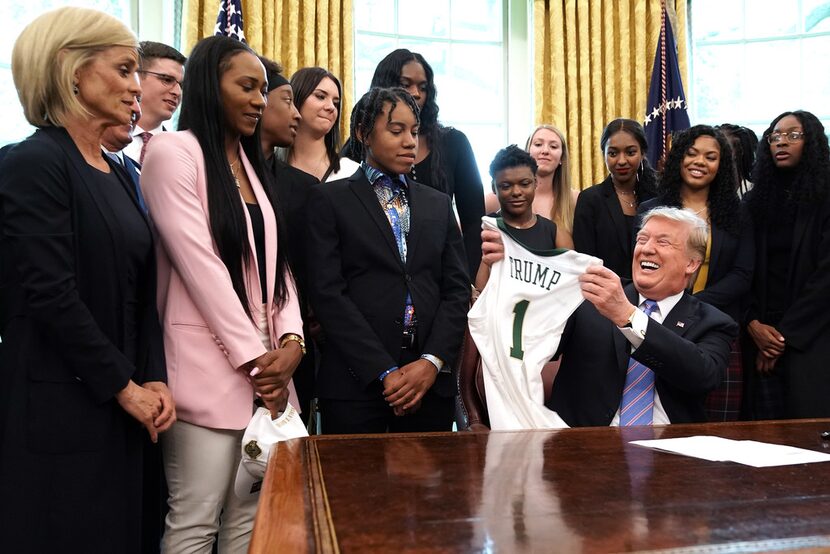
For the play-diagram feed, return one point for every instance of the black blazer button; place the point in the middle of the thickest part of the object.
(398, 320)
(408, 277)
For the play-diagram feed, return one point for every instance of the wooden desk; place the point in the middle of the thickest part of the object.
(575, 490)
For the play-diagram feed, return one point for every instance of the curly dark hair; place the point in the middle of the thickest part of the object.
(646, 176)
(723, 202)
(512, 156)
(808, 181)
(388, 75)
(369, 107)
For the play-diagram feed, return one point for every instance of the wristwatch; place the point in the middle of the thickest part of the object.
(288, 337)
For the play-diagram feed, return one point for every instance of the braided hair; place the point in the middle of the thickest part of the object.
(743, 149)
(722, 201)
(367, 110)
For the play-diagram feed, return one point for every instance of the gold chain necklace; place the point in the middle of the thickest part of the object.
(621, 194)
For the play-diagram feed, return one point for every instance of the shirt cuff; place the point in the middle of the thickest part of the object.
(434, 360)
(636, 333)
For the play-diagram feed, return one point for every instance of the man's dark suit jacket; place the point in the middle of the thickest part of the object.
(688, 354)
(133, 170)
(358, 284)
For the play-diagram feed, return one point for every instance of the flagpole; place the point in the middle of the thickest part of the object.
(663, 78)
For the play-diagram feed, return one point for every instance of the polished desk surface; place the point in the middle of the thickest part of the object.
(573, 490)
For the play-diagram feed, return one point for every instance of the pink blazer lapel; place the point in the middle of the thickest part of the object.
(255, 290)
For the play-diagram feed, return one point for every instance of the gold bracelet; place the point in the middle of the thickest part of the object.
(288, 337)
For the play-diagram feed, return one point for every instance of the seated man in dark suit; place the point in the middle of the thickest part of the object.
(387, 283)
(647, 353)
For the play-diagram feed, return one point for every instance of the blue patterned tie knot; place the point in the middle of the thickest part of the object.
(637, 406)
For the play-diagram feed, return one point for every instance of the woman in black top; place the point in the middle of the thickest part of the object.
(280, 121)
(445, 159)
(789, 319)
(605, 214)
(699, 175)
(514, 183)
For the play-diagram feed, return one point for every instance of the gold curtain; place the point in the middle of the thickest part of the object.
(593, 61)
(295, 33)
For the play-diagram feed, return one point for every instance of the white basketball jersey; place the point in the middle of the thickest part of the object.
(516, 324)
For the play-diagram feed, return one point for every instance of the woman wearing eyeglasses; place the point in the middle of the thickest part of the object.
(699, 176)
(789, 319)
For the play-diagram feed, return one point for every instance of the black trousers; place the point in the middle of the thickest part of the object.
(346, 416)
(375, 416)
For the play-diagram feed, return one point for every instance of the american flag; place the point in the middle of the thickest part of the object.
(229, 21)
(666, 109)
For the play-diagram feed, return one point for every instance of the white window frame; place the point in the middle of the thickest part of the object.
(517, 52)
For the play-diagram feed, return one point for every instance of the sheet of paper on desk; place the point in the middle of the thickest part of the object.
(751, 453)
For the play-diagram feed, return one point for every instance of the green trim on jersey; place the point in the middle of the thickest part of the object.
(546, 253)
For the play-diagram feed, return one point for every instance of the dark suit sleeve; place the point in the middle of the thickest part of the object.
(469, 199)
(738, 280)
(343, 323)
(447, 330)
(585, 221)
(564, 340)
(807, 316)
(37, 221)
(694, 366)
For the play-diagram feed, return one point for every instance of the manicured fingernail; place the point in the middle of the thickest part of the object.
(256, 371)
(258, 395)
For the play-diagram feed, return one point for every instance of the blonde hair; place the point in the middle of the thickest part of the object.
(562, 212)
(48, 53)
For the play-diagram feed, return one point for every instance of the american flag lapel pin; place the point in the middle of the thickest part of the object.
(681, 324)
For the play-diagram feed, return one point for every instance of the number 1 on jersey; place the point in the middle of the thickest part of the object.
(519, 311)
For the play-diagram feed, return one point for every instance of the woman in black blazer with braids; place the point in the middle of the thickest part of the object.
(445, 159)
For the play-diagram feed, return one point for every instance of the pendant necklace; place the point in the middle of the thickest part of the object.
(621, 194)
(233, 172)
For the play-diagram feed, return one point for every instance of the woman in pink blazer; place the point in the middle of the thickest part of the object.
(231, 320)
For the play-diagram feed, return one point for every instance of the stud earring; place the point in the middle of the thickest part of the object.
(75, 89)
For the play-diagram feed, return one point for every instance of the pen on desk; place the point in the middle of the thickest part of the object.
(825, 435)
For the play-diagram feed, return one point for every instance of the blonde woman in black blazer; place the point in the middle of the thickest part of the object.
(81, 357)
